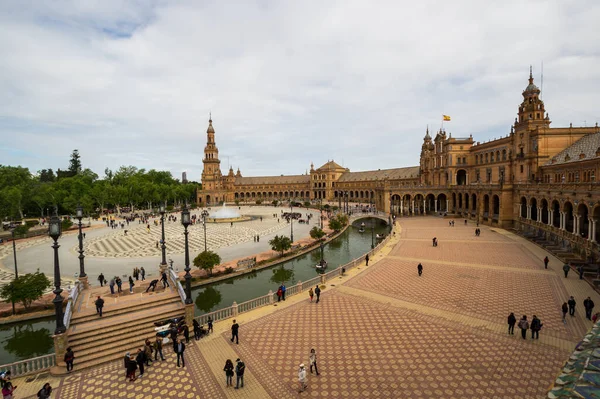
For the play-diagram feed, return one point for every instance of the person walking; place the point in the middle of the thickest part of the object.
(210, 324)
(318, 293)
(367, 259)
(148, 352)
(311, 294)
(313, 361)
(143, 273)
(546, 261)
(240, 367)
(565, 309)
(45, 392)
(536, 326)
(524, 326)
(164, 280)
(588, 304)
(112, 286)
(140, 360)
(131, 285)
(279, 293)
(572, 304)
(179, 349)
(119, 284)
(234, 332)
(512, 320)
(420, 269)
(283, 291)
(99, 305)
(186, 334)
(69, 358)
(8, 389)
(130, 367)
(566, 269)
(158, 348)
(101, 279)
(228, 369)
(580, 270)
(302, 378)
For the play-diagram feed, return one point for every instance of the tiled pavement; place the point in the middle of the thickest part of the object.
(384, 332)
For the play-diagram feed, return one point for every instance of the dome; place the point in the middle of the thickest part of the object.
(210, 127)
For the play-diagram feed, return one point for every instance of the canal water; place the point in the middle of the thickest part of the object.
(350, 245)
(30, 339)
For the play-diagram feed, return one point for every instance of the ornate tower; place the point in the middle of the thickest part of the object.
(531, 110)
(211, 175)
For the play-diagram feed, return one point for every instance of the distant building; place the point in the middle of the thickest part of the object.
(184, 177)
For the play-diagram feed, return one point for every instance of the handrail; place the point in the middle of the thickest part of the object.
(235, 309)
(28, 366)
(71, 300)
(177, 284)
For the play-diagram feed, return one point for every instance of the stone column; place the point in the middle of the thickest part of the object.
(592, 230)
(424, 210)
(234, 309)
(435, 204)
(528, 212)
(413, 207)
(447, 205)
(562, 220)
(576, 219)
(520, 209)
(189, 313)
(271, 297)
(550, 217)
(401, 207)
(61, 343)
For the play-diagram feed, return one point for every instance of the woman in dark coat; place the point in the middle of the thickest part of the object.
(228, 369)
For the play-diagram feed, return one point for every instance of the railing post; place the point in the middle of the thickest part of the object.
(299, 287)
(234, 309)
(270, 297)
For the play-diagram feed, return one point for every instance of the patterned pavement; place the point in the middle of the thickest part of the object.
(385, 332)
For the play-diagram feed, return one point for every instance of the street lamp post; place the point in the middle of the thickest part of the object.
(204, 215)
(373, 233)
(54, 231)
(14, 245)
(186, 221)
(291, 222)
(82, 276)
(163, 263)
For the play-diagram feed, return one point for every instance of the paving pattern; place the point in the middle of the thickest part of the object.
(140, 243)
(385, 332)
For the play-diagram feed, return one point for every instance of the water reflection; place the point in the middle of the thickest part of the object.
(208, 299)
(26, 340)
(282, 275)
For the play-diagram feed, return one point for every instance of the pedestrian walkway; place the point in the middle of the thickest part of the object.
(383, 331)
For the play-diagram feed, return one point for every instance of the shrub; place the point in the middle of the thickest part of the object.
(21, 230)
(258, 202)
(66, 224)
(228, 270)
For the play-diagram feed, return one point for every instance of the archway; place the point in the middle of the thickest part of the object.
(442, 203)
(534, 215)
(430, 201)
(544, 205)
(207, 200)
(419, 204)
(555, 214)
(486, 207)
(474, 203)
(495, 207)
(568, 210)
(584, 223)
(466, 202)
(453, 204)
(461, 177)
(596, 217)
(407, 204)
(523, 207)
(460, 201)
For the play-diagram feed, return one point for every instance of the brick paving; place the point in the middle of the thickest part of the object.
(384, 332)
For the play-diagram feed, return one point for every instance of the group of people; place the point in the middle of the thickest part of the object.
(316, 292)
(477, 232)
(524, 325)
(139, 273)
(569, 307)
(143, 357)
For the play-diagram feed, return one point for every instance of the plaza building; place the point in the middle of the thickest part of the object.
(536, 178)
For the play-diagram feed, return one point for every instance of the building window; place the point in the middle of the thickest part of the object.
(521, 168)
(504, 155)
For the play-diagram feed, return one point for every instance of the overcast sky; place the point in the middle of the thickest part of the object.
(133, 82)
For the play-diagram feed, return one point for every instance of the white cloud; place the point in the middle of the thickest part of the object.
(288, 82)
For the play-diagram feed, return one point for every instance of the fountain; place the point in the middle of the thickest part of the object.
(226, 215)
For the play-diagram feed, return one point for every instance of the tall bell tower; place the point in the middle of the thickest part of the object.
(211, 175)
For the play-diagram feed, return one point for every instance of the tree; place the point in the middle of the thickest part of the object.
(75, 163)
(316, 233)
(280, 244)
(46, 176)
(26, 288)
(207, 260)
(338, 222)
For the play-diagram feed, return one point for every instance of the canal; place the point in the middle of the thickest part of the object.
(25, 340)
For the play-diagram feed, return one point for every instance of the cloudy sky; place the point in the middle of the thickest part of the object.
(133, 82)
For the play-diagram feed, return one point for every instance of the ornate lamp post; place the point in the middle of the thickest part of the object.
(14, 245)
(204, 214)
(373, 233)
(291, 222)
(54, 231)
(186, 221)
(82, 276)
(321, 217)
(163, 263)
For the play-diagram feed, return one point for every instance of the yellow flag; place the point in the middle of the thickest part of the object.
(446, 117)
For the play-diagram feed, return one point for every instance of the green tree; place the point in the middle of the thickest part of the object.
(338, 222)
(280, 244)
(47, 176)
(207, 260)
(75, 163)
(316, 233)
(208, 299)
(26, 288)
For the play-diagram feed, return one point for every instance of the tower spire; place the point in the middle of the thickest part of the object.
(530, 74)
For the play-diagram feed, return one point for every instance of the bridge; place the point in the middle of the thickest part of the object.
(377, 215)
